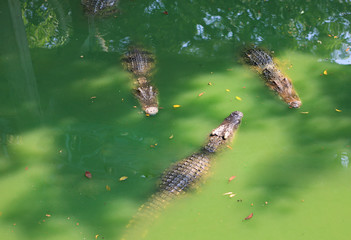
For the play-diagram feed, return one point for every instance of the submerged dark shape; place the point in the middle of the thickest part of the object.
(141, 63)
(185, 174)
(264, 64)
(100, 7)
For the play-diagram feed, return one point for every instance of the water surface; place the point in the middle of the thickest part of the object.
(67, 108)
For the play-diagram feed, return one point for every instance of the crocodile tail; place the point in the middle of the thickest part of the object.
(137, 228)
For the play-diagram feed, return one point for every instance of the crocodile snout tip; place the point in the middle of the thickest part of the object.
(151, 110)
(295, 104)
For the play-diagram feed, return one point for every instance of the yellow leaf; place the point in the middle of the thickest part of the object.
(238, 98)
(305, 112)
(227, 90)
(171, 137)
(123, 178)
(176, 106)
(210, 83)
(108, 188)
(338, 110)
(96, 236)
(325, 72)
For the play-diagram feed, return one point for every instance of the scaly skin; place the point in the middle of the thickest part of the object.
(101, 8)
(141, 63)
(187, 173)
(263, 63)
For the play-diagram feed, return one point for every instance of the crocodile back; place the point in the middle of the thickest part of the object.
(139, 61)
(185, 174)
(257, 57)
(100, 7)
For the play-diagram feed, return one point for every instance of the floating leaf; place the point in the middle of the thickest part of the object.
(325, 72)
(165, 13)
(229, 147)
(249, 217)
(146, 114)
(96, 236)
(227, 90)
(87, 174)
(238, 98)
(210, 83)
(176, 106)
(108, 188)
(201, 94)
(227, 193)
(232, 195)
(171, 137)
(304, 112)
(231, 178)
(48, 215)
(338, 110)
(123, 178)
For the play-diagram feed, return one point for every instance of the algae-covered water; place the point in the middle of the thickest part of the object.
(67, 108)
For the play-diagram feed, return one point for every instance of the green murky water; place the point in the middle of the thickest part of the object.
(66, 108)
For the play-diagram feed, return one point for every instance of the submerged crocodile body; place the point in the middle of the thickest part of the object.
(141, 62)
(100, 7)
(264, 64)
(185, 174)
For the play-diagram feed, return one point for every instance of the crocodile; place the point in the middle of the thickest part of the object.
(185, 174)
(264, 64)
(100, 7)
(140, 63)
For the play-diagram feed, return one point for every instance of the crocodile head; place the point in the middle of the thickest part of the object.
(224, 132)
(147, 96)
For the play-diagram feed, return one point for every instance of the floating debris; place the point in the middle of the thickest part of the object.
(88, 174)
(176, 106)
(123, 178)
(171, 137)
(227, 193)
(231, 179)
(210, 84)
(325, 72)
(227, 90)
(304, 112)
(238, 98)
(249, 217)
(338, 110)
(108, 188)
(201, 94)
(232, 195)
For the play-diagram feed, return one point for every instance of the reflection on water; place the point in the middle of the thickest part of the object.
(342, 55)
(343, 159)
(47, 23)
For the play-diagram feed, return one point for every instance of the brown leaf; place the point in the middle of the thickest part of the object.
(88, 174)
(249, 217)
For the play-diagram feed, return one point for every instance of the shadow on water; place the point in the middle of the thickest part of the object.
(89, 124)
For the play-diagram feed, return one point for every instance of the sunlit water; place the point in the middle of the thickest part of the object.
(67, 108)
